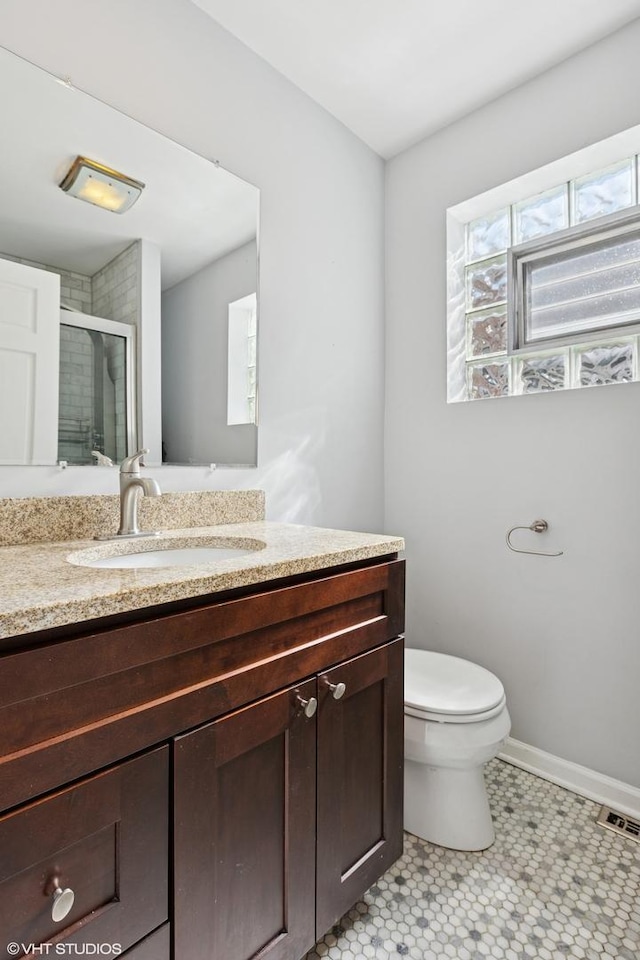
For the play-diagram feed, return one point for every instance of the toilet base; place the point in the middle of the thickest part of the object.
(447, 806)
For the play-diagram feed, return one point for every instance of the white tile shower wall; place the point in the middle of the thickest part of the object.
(115, 288)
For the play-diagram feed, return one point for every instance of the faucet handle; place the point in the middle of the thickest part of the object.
(132, 464)
(101, 459)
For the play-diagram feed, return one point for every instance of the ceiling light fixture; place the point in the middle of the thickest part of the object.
(100, 185)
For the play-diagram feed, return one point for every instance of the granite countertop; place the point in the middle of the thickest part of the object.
(41, 588)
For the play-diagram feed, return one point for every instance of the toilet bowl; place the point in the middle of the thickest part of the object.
(456, 719)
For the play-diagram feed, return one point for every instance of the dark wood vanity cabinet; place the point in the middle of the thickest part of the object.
(332, 778)
(243, 753)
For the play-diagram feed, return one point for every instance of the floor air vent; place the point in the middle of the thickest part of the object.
(620, 823)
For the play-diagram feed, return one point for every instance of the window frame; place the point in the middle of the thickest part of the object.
(544, 247)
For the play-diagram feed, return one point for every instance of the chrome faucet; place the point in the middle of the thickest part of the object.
(131, 481)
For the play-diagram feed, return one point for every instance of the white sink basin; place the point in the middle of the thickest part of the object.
(185, 557)
(176, 553)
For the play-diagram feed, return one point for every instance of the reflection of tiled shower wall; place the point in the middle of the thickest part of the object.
(76, 395)
(114, 289)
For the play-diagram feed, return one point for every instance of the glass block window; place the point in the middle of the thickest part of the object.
(606, 191)
(543, 373)
(488, 235)
(538, 216)
(487, 283)
(545, 293)
(487, 332)
(241, 360)
(488, 380)
(610, 364)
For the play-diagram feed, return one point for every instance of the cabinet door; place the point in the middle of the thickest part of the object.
(360, 768)
(244, 833)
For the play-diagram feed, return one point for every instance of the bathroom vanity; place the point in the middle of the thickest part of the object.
(215, 766)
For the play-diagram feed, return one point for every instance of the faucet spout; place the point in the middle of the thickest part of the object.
(132, 481)
(150, 487)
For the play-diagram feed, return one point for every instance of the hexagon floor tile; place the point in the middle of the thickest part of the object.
(554, 886)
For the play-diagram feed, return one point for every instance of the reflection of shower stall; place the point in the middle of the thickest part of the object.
(96, 388)
(74, 439)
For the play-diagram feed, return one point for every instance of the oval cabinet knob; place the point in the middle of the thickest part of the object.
(62, 902)
(309, 706)
(337, 690)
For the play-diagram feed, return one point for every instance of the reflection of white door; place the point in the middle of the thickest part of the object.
(29, 356)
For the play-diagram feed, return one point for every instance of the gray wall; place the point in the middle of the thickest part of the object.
(562, 633)
(166, 63)
(195, 317)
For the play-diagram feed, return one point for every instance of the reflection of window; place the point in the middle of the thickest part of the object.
(241, 362)
(95, 388)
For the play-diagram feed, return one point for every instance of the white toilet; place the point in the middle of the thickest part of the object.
(455, 719)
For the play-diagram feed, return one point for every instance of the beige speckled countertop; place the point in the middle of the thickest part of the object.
(41, 588)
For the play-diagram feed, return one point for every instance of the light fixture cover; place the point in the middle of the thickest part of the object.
(100, 185)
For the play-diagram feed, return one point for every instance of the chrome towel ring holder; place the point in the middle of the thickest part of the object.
(538, 526)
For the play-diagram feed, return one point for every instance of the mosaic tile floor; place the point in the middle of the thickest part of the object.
(554, 886)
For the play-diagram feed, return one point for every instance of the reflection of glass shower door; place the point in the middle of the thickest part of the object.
(96, 389)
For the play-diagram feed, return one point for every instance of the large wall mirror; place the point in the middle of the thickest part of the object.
(120, 330)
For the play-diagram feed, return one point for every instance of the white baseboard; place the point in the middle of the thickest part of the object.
(581, 780)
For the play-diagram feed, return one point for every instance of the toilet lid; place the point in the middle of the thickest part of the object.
(439, 683)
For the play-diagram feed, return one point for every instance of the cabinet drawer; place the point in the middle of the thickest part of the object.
(106, 839)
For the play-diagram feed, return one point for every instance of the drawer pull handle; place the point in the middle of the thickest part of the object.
(62, 901)
(309, 706)
(338, 690)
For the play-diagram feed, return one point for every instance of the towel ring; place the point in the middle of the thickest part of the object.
(538, 526)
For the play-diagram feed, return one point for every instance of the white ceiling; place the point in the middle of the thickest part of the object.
(192, 209)
(394, 71)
